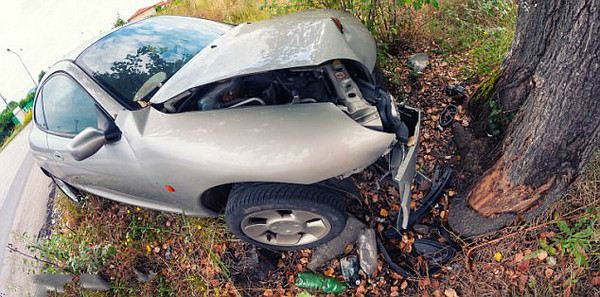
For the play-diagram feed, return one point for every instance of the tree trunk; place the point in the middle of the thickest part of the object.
(551, 78)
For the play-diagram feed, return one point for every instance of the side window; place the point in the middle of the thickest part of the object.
(68, 108)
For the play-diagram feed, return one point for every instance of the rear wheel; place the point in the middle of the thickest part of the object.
(284, 216)
(67, 189)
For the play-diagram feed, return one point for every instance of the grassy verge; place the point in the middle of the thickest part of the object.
(176, 255)
(16, 131)
(475, 33)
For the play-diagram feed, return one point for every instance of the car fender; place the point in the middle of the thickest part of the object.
(302, 144)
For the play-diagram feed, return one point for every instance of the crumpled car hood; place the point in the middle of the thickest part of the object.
(296, 40)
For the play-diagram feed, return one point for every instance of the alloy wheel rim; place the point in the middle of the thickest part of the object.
(285, 227)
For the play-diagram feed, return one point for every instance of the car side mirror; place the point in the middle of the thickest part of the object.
(86, 143)
(91, 140)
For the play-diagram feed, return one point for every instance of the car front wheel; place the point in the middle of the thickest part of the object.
(67, 189)
(284, 216)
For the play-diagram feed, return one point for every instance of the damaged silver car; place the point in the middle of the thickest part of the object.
(265, 121)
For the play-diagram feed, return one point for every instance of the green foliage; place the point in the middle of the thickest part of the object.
(163, 289)
(41, 75)
(6, 123)
(578, 240)
(119, 22)
(159, 8)
(72, 252)
(498, 119)
(386, 19)
(26, 100)
(483, 29)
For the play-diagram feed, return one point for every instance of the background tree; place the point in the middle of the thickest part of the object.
(119, 22)
(551, 83)
(41, 75)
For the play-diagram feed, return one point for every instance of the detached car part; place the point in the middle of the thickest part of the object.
(194, 116)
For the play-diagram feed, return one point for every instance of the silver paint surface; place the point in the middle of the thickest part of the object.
(195, 151)
(301, 39)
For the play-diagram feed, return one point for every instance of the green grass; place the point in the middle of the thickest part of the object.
(482, 31)
(16, 131)
(185, 253)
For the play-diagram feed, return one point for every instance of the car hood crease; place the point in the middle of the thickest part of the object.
(296, 40)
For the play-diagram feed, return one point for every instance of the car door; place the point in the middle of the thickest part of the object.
(112, 172)
(38, 143)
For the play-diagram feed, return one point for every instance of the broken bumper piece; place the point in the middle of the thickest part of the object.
(403, 160)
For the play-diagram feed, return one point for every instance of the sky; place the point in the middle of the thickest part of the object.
(44, 31)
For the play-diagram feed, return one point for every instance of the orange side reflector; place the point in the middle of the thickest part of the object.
(170, 189)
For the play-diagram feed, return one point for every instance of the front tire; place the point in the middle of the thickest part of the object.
(67, 189)
(285, 216)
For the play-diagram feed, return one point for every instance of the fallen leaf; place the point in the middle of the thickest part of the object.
(542, 255)
(498, 256)
(268, 292)
(596, 281)
(450, 293)
(329, 272)
(551, 261)
(404, 285)
(383, 213)
(548, 273)
(519, 257)
(523, 266)
(349, 248)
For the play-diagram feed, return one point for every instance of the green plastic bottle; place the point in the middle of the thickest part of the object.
(307, 280)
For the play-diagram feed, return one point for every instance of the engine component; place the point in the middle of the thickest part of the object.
(248, 101)
(351, 97)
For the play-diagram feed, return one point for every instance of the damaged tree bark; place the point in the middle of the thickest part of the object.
(551, 76)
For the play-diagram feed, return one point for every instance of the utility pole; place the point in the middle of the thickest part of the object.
(3, 99)
(23, 63)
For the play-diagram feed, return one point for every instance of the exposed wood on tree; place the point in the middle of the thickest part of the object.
(551, 75)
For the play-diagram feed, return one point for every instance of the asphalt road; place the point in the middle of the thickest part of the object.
(24, 191)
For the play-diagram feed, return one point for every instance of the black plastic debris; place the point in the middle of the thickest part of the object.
(431, 249)
(457, 91)
(432, 197)
(143, 277)
(435, 253)
(447, 115)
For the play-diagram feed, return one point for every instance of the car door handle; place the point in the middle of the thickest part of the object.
(58, 156)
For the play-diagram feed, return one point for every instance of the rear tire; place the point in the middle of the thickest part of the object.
(285, 216)
(69, 191)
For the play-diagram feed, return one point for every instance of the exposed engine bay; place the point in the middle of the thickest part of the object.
(341, 83)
